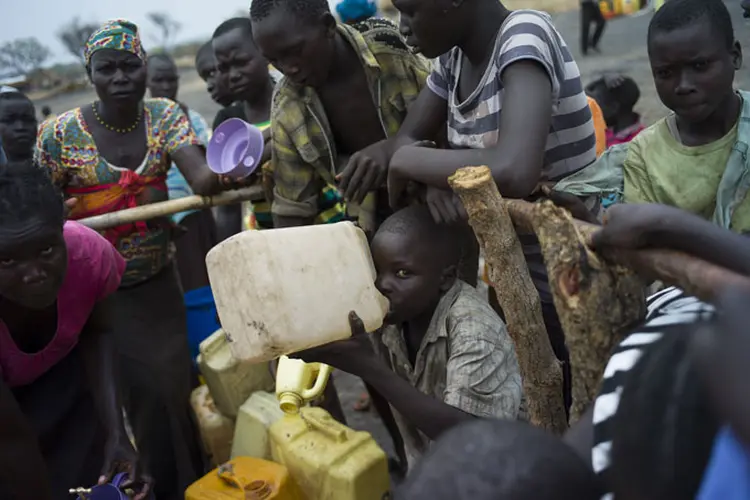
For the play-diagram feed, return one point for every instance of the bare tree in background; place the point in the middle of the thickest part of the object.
(168, 27)
(74, 36)
(22, 56)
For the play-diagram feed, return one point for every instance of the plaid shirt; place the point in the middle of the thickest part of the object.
(304, 149)
(467, 360)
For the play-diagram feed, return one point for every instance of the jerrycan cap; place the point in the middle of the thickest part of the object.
(290, 403)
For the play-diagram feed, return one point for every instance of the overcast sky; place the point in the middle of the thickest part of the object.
(43, 18)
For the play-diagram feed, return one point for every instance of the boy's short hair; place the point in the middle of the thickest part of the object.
(626, 93)
(207, 49)
(241, 23)
(443, 240)
(163, 57)
(15, 95)
(304, 9)
(664, 428)
(676, 14)
(503, 460)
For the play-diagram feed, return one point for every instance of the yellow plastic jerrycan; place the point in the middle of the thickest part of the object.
(245, 478)
(329, 460)
(216, 430)
(298, 383)
(230, 380)
(255, 417)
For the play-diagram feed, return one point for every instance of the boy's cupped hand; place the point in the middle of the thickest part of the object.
(347, 355)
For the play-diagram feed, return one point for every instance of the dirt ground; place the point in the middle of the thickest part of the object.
(623, 48)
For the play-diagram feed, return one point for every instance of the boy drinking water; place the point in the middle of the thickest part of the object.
(444, 356)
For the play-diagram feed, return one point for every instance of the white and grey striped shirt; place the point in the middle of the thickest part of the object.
(526, 35)
(475, 122)
(668, 308)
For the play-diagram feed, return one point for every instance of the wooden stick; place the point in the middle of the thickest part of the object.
(597, 302)
(697, 277)
(164, 208)
(540, 370)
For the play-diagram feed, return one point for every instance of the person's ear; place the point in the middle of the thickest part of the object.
(448, 277)
(329, 22)
(737, 55)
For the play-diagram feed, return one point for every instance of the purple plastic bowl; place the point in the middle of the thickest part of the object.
(235, 149)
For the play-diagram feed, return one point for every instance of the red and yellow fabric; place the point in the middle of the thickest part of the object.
(66, 148)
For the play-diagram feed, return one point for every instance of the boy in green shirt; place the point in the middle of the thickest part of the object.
(692, 158)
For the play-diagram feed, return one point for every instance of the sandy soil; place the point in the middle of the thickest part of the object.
(623, 48)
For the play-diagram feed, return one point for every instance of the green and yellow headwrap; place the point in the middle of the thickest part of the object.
(118, 34)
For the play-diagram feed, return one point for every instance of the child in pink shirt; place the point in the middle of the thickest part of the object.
(617, 95)
(60, 419)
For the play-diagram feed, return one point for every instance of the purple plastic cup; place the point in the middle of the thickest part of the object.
(235, 149)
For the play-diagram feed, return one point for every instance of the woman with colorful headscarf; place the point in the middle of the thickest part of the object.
(114, 154)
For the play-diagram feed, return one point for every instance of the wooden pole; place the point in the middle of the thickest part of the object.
(540, 370)
(697, 277)
(164, 208)
(597, 302)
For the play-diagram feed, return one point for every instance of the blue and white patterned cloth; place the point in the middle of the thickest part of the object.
(176, 183)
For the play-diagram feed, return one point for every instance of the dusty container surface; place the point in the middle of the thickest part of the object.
(216, 430)
(245, 478)
(283, 290)
(230, 380)
(329, 460)
(255, 417)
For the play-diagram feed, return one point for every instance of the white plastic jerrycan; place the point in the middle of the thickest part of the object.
(284, 290)
(255, 417)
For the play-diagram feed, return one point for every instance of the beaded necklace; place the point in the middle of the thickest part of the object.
(115, 129)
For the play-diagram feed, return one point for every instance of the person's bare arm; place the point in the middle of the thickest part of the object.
(426, 121)
(356, 356)
(431, 416)
(662, 226)
(23, 471)
(191, 160)
(516, 161)
(98, 353)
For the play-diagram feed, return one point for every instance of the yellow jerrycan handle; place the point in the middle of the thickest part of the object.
(324, 371)
(295, 384)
